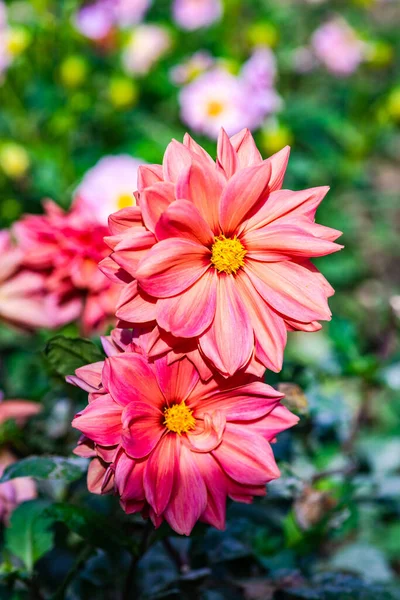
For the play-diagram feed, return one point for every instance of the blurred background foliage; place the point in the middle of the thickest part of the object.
(329, 528)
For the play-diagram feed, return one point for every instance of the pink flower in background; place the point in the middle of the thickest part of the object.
(64, 249)
(223, 243)
(96, 20)
(338, 48)
(5, 56)
(193, 67)
(21, 489)
(23, 299)
(218, 98)
(173, 447)
(108, 187)
(193, 14)
(147, 44)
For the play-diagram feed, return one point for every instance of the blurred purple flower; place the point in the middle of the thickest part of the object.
(5, 57)
(193, 67)
(218, 98)
(337, 46)
(97, 19)
(193, 14)
(147, 44)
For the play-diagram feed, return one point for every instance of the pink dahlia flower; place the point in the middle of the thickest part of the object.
(96, 20)
(108, 187)
(21, 489)
(175, 448)
(193, 14)
(23, 298)
(194, 66)
(64, 249)
(146, 46)
(337, 46)
(219, 255)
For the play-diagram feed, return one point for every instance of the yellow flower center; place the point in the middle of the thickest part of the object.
(179, 418)
(227, 254)
(124, 200)
(215, 108)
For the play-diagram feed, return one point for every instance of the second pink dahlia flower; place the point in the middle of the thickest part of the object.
(219, 255)
(173, 447)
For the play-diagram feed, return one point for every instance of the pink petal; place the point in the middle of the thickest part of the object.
(128, 377)
(190, 497)
(88, 377)
(245, 403)
(143, 428)
(149, 175)
(172, 266)
(19, 410)
(134, 246)
(230, 341)
(196, 149)
(183, 220)
(129, 478)
(177, 157)
(124, 219)
(95, 476)
(227, 158)
(247, 151)
(278, 163)
(113, 271)
(135, 306)
(246, 456)
(269, 327)
(203, 186)
(279, 419)
(160, 473)
(208, 434)
(199, 301)
(154, 201)
(241, 195)
(215, 480)
(290, 289)
(176, 380)
(101, 421)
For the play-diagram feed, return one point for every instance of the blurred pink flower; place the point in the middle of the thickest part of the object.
(23, 298)
(107, 187)
(338, 48)
(175, 448)
(221, 242)
(96, 20)
(193, 14)
(21, 489)
(65, 249)
(147, 44)
(193, 67)
(218, 98)
(5, 56)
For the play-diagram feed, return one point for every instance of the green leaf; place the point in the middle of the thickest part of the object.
(47, 467)
(92, 526)
(65, 355)
(28, 537)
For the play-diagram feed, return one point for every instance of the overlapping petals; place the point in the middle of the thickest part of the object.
(216, 258)
(172, 446)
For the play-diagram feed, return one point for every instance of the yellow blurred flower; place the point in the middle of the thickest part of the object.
(393, 104)
(14, 160)
(274, 137)
(18, 39)
(379, 54)
(123, 92)
(263, 34)
(73, 71)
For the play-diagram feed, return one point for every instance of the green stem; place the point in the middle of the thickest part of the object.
(144, 545)
(82, 558)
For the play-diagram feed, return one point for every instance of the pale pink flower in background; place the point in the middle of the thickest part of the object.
(64, 248)
(337, 46)
(175, 448)
(193, 67)
(193, 14)
(5, 56)
(223, 243)
(23, 299)
(146, 46)
(218, 98)
(21, 489)
(96, 20)
(108, 186)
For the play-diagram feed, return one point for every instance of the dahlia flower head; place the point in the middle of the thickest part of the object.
(337, 46)
(194, 14)
(24, 301)
(218, 98)
(21, 489)
(171, 446)
(215, 258)
(64, 248)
